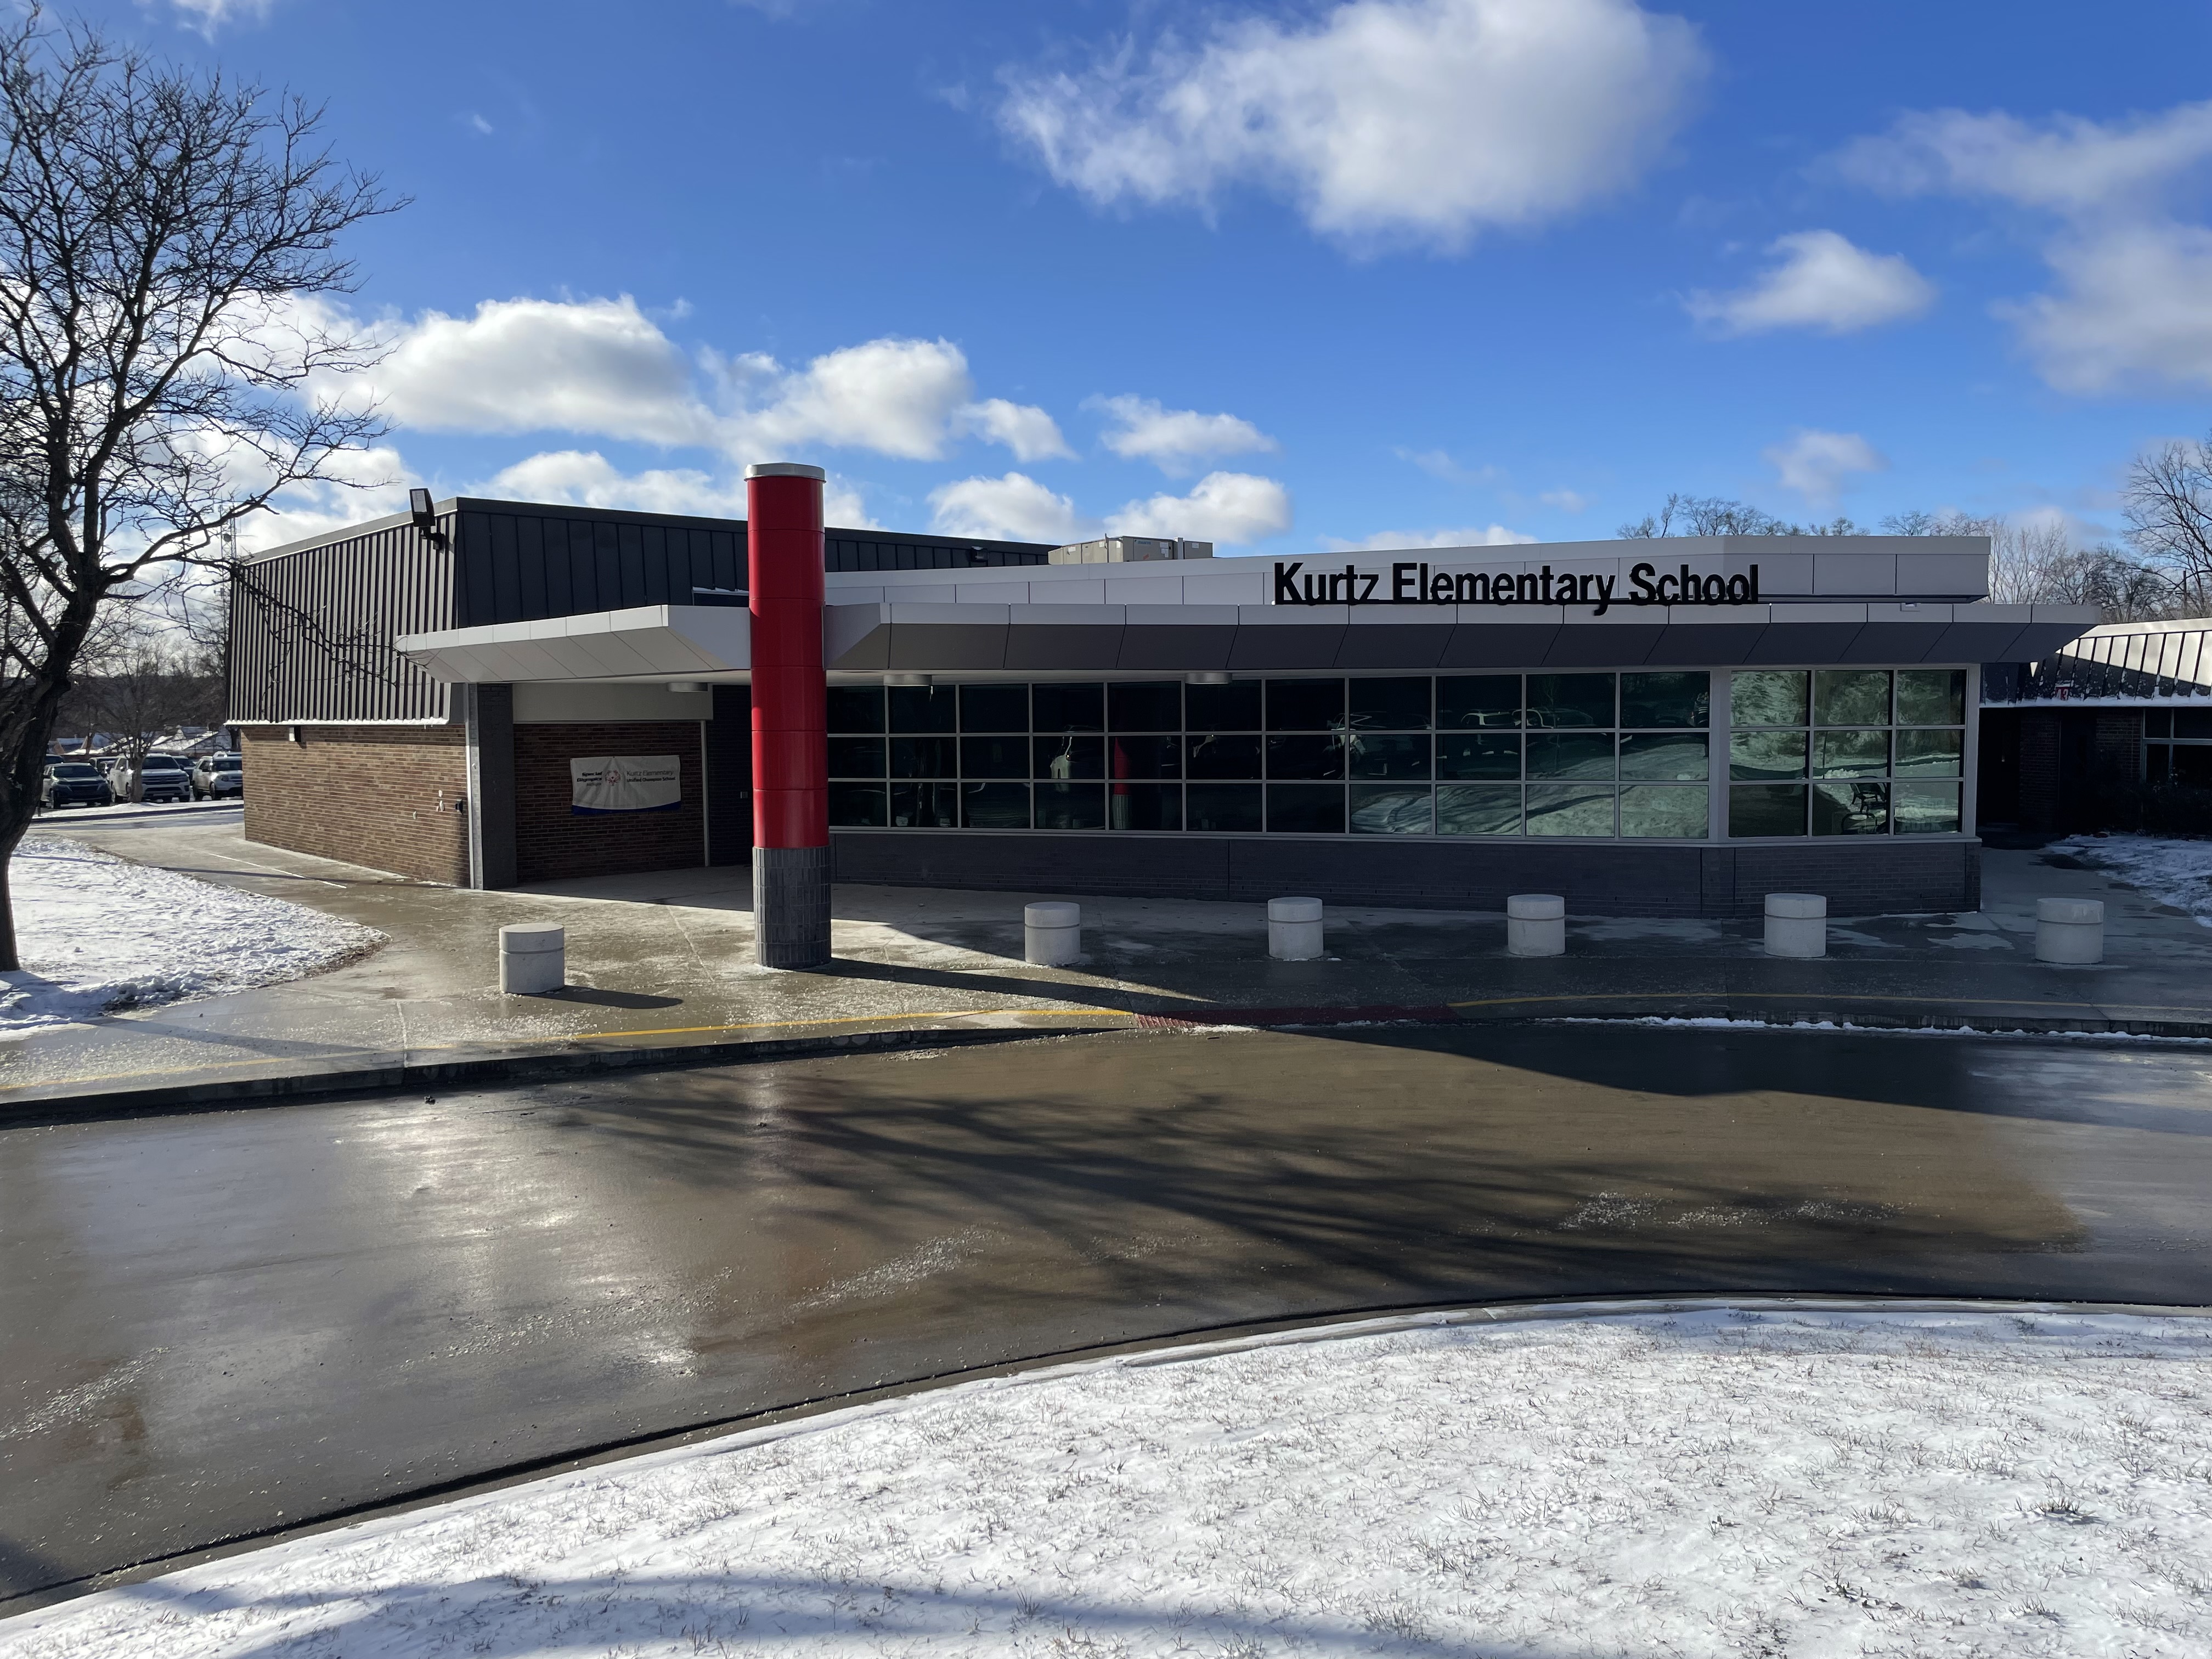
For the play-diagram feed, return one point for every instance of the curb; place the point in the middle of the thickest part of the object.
(47, 1111)
(1165, 1348)
(246, 1093)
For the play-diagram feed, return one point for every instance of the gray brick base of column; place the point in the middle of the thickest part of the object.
(791, 905)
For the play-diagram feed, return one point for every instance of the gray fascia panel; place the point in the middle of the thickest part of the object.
(1416, 645)
(1156, 649)
(1499, 645)
(1046, 647)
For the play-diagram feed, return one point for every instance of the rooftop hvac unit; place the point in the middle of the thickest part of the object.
(1129, 550)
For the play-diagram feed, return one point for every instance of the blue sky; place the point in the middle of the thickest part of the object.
(1289, 276)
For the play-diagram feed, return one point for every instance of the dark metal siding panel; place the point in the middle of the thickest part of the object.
(505, 570)
(606, 566)
(629, 556)
(661, 581)
(312, 631)
(474, 601)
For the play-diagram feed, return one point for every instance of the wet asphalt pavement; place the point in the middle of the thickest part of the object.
(228, 1322)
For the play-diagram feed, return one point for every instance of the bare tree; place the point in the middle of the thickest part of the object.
(1707, 515)
(2168, 507)
(163, 238)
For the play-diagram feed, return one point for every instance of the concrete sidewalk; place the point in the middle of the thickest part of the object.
(662, 963)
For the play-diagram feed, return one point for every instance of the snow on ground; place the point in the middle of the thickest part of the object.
(2175, 873)
(1723, 1023)
(98, 933)
(1785, 1480)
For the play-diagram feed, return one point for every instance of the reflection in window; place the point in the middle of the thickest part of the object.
(1572, 755)
(1851, 809)
(1479, 809)
(1768, 697)
(1569, 809)
(1850, 754)
(1382, 809)
(1757, 756)
(1561, 700)
(1850, 696)
(1673, 756)
(1663, 812)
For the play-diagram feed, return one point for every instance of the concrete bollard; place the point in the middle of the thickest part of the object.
(1294, 928)
(533, 958)
(1052, 933)
(1796, 925)
(1536, 925)
(2069, 930)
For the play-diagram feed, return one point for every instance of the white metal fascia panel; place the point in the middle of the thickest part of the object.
(1222, 588)
(1180, 616)
(1068, 616)
(1292, 616)
(952, 615)
(1142, 590)
(606, 653)
(721, 635)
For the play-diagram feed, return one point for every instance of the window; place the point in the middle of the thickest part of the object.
(2178, 747)
(1582, 756)
(1846, 751)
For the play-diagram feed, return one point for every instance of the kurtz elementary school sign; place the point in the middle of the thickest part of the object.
(1415, 584)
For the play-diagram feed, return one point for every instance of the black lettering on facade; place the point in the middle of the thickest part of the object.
(1417, 584)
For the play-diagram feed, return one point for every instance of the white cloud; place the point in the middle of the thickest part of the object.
(1388, 541)
(1229, 507)
(2129, 305)
(1822, 281)
(204, 17)
(592, 365)
(2134, 304)
(1031, 433)
(896, 397)
(603, 368)
(1819, 465)
(1567, 501)
(1174, 439)
(1419, 119)
(363, 483)
(1438, 464)
(1016, 508)
(2067, 164)
(587, 478)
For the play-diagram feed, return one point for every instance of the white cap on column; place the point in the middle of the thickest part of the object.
(786, 470)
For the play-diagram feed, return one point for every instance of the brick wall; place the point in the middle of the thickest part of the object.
(367, 794)
(1859, 878)
(552, 843)
(2038, 769)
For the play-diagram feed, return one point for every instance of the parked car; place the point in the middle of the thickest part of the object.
(217, 776)
(74, 783)
(158, 778)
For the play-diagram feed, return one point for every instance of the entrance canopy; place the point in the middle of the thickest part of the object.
(659, 642)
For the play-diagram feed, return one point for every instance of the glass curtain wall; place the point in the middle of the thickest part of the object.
(1846, 751)
(1580, 756)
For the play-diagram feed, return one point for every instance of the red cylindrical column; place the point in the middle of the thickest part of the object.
(791, 764)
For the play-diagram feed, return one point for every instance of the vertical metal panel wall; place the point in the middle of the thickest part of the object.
(865, 550)
(311, 629)
(312, 626)
(520, 563)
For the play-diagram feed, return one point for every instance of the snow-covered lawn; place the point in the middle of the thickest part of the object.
(97, 933)
(2175, 873)
(1796, 1482)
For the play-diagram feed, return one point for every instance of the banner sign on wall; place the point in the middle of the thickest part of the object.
(625, 783)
